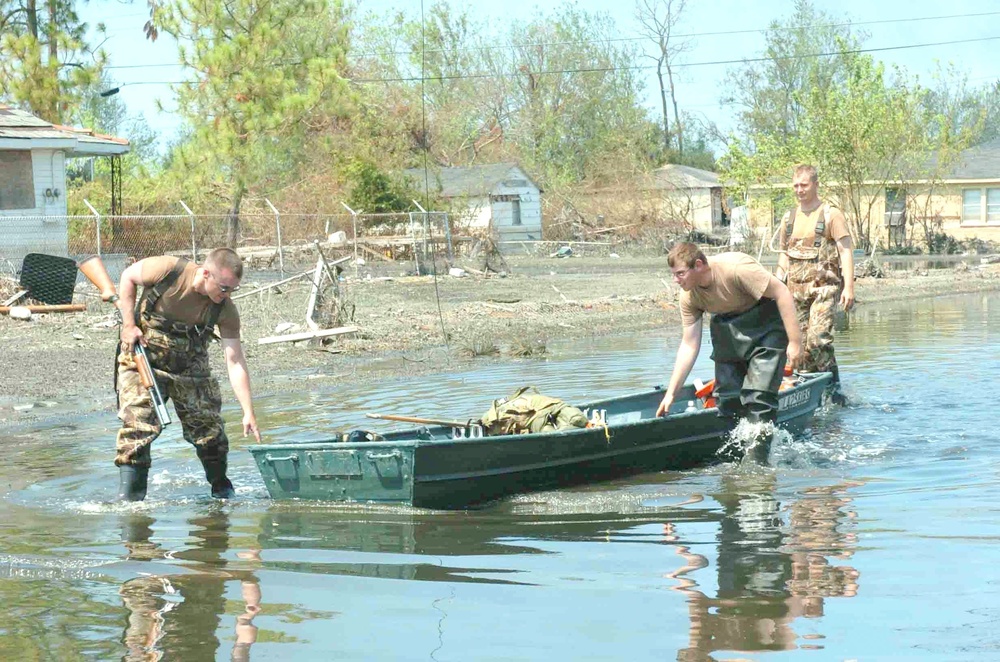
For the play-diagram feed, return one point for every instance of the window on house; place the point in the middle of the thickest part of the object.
(17, 184)
(993, 205)
(972, 205)
(515, 212)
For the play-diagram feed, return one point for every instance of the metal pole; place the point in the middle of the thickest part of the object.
(354, 222)
(98, 224)
(413, 239)
(277, 225)
(194, 246)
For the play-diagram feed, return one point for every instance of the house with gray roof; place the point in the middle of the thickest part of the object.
(499, 197)
(690, 195)
(33, 156)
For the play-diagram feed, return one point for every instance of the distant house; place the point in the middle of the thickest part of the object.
(33, 156)
(690, 195)
(677, 195)
(963, 201)
(500, 196)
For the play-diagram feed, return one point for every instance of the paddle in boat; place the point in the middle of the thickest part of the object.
(451, 464)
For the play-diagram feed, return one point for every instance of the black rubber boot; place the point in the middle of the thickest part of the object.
(835, 393)
(215, 473)
(133, 482)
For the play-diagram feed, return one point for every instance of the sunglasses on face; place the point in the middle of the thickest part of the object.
(225, 289)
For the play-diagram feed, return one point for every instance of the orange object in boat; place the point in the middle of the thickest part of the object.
(705, 392)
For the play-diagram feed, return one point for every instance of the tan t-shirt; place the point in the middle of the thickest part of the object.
(804, 233)
(181, 303)
(738, 283)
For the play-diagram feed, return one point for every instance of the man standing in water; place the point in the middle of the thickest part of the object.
(817, 262)
(753, 330)
(180, 307)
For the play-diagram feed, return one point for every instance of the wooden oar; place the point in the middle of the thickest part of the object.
(424, 421)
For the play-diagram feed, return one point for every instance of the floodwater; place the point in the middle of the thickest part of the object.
(875, 537)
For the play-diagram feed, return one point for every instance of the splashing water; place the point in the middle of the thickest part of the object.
(748, 439)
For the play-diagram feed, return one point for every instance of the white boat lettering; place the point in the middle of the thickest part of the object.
(794, 399)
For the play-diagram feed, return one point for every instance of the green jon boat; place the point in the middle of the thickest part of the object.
(442, 467)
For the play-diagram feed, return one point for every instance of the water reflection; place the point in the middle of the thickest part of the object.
(179, 614)
(768, 572)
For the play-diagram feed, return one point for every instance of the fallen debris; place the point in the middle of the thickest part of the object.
(307, 335)
(55, 308)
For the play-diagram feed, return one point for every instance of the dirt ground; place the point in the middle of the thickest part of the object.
(403, 321)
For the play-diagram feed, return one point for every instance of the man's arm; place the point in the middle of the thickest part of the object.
(239, 378)
(127, 286)
(846, 249)
(786, 308)
(686, 355)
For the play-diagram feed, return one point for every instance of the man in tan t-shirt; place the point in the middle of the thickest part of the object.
(817, 263)
(181, 305)
(753, 328)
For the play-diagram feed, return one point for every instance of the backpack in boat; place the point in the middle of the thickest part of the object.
(525, 412)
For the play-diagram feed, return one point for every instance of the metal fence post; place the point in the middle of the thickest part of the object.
(97, 216)
(277, 227)
(194, 246)
(354, 223)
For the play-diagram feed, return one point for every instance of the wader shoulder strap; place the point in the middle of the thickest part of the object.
(789, 225)
(821, 226)
(152, 294)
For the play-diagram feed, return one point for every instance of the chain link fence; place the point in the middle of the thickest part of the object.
(271, 243)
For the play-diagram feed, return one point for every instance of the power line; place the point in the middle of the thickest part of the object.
(855, 51)
(629, 39)
(402, 79)
(697, 34)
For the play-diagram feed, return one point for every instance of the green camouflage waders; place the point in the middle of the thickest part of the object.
(178, 354)
(815, 281)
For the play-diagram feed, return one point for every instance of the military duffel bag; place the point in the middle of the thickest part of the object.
(526, 410)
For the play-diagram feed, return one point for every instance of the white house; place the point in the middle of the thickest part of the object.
(498, 196)
(691, 195)
(33, 156)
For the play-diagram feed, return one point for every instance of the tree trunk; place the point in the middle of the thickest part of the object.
(53, 61)
(233, 217)
(663, 103)
(32, 11)
(677, 115)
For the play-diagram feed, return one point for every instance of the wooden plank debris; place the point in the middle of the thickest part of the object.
(307, 335)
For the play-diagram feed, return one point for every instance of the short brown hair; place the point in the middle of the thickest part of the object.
(685, 253)
(228, 259)
(808, 168)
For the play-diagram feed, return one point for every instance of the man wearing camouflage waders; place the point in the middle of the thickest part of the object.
(180, 307)
(753, 328)
(817, 263)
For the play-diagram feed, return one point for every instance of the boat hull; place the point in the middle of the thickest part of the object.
(427, 467)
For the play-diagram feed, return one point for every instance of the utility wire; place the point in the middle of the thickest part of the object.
(790, 28)
(679, 66)
(628, 39)
(804, 56)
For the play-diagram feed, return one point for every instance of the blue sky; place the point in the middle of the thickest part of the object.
(137, 63)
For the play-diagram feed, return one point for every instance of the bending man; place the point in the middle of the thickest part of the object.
(180, 307)
(753, 330)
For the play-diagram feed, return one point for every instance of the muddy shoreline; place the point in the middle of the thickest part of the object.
(59, 366)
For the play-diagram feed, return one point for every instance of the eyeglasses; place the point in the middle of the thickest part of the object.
(225, 289)
(680, 273)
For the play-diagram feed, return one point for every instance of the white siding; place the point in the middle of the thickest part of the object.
(531, 209)
(478, 213)
(41, 229)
